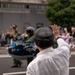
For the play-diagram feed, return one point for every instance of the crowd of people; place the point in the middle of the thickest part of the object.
(13, 33)
(50, 60)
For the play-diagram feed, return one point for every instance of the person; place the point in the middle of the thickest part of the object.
(15, 33)
(66, 37)
(2, 39)
(72, 32)
(49, 61)
(29, 40)
(8, 37)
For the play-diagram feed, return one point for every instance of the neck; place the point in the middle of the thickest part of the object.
(41, 49)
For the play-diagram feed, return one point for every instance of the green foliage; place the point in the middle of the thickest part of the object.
(61, 12)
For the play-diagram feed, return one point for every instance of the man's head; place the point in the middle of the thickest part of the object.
(30, 31)
(44, 37)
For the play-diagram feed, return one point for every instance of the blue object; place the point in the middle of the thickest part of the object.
(22, 49)
(13, 44)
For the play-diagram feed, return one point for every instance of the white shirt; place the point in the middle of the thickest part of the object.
(51, 61)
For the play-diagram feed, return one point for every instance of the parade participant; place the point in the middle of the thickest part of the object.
(30, 32)
(16, 33)
(49, 61)
(29, 40)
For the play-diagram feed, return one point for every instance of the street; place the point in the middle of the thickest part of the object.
(6, 61)
(72, 63)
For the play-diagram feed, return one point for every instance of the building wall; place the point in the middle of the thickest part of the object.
(26, 1)
(22, 18)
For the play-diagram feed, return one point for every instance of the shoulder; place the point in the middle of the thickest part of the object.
(32, 63)
(39, 60)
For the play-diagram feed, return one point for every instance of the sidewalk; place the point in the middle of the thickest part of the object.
(3, 50)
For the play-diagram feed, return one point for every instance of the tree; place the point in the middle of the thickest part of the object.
(61, 12)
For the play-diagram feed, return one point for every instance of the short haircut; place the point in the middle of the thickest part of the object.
(44, 37)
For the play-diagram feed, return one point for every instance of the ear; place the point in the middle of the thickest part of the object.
(37, 47)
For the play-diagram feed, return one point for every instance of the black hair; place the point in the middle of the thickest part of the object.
(44, 37)
(30, 31)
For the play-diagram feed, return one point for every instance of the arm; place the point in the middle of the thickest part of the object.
(60, 41)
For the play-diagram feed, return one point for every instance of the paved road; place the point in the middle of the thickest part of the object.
(6, 62)
(72, 65)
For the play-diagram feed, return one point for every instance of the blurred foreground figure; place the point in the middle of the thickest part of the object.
(15, 33)
(49, 61)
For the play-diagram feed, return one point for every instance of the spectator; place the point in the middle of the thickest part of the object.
(49, 61)
(72, 32)
(8, 37)
(3, 38)
(15, 33)
(66, 36)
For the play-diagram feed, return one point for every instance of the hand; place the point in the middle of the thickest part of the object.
(55, 29)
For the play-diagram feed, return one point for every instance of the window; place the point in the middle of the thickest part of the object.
(39, 7)
(20, 6)
(4, 5)
(38, 25)
(44, 7)
(26, 6)
(14, 6)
